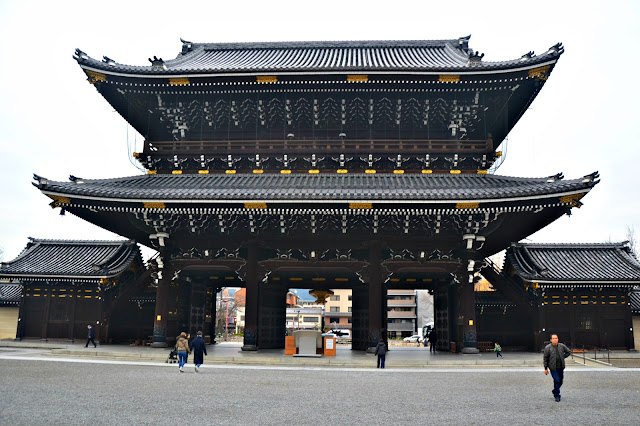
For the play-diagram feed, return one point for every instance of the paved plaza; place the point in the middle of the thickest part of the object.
(42, 389)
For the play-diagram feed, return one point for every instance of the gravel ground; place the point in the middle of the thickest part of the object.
(40, 392)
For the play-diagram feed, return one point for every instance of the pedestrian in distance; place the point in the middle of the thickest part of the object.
(498, 350)
(553, 357)
(381, 351)
(433, 338)
(199, 349)
(91, 334)
(182, 346)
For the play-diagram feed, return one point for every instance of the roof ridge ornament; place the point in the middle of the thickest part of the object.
(530, 54)
(157, 63)
(474, 58)
(80, 55)
(591, 177)
(187, 46)
(558, 176)
(463, 42)
(107, 60)
(556, 48)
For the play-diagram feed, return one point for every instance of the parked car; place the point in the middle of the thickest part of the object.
(413, 339)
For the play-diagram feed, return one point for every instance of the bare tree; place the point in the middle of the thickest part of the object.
(1, 253)
(225, 308)
(633, 242)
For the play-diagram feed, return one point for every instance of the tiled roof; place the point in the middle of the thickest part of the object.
(549, 263)
(10, 293)
(57, 259)
(350, 56)
(635, 301)
(318, 187)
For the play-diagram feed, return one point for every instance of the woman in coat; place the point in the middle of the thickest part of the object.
(198, 347)
(182, 346)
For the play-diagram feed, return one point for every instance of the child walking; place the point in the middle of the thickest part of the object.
(498, 350)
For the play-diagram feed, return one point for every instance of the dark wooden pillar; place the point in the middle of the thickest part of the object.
(212, 325)
(46, 292)
(251, 314)
(442, 317)
(376, 328)
(360, 318)
(468, 315)
(272, 318)
(20, 328)
(72, 318)
(162, 305)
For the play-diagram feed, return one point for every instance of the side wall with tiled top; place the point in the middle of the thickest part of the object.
(8, 322)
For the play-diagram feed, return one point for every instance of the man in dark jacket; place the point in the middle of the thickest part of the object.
(554, 355)
(381, 351)
(433, 338)
(91, 334)
(198, 347)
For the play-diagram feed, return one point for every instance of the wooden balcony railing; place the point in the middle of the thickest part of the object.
(316, 146)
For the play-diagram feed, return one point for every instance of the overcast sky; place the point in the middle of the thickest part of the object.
(54, 123)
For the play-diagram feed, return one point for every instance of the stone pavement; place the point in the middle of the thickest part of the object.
(231, 353)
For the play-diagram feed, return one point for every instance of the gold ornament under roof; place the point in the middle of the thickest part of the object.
(321, 295)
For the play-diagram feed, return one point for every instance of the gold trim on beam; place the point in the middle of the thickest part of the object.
(150, 205)
(448, 78)
(266, 79)
(574, 199)
(95, 77)
(467, 206)
(360, 206)
(59, 199)
(541, 73)
(255, 206)
(179, 81)
(357, 78)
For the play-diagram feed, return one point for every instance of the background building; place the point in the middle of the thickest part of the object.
(401, 313)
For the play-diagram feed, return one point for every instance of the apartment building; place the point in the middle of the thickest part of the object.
(299, 318)
(337, 310)
(401, 313)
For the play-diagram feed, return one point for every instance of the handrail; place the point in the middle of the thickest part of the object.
(595, 349)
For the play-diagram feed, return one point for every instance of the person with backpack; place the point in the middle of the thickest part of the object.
(498, 350)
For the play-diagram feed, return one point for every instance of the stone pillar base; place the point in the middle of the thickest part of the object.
(371, 350)
(249, 348)
(470, 351)
(159, 345)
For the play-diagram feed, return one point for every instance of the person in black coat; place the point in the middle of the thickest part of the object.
(91, 334)
(198, 348)
(381, 351)
(433, 338)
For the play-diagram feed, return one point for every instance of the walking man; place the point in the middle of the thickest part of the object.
(554, 355)
(381, 351)
(433, 338)
(182, 346)
(91, 334)
(198, 347)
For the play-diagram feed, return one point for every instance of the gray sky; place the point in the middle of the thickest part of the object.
(53, 123)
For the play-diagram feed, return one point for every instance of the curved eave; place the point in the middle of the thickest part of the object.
(581, 282)
(46, 277)
(314, 201)
(147, 73)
